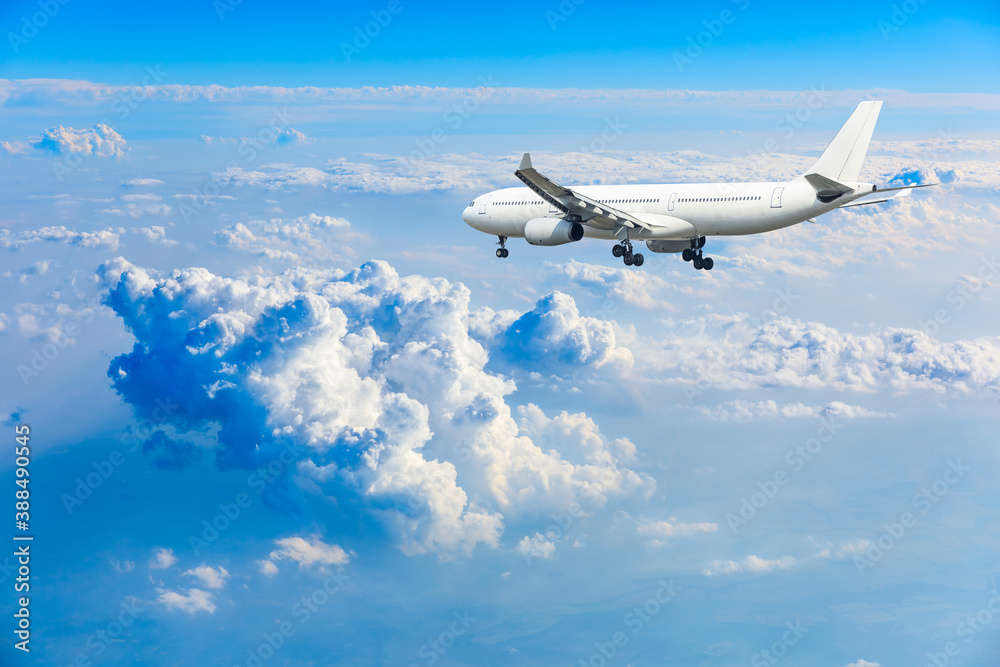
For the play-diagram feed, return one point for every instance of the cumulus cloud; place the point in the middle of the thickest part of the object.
(378, 386)
(863, 663)
(209, 577)
(750, 563)
(290, 239)
(162, 559)
(192, 602)
(156, 234)
(99, 141)
(535, 546)
(554, 334)
(306, 551)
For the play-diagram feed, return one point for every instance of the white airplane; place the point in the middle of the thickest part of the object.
(678, 217)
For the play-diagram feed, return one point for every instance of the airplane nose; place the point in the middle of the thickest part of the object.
(465, 213)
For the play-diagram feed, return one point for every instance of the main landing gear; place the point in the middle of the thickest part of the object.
(624, 250)
(502, 251)
(693, 255)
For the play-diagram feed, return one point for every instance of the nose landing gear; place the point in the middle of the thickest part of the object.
(694, 255)
(502, 251)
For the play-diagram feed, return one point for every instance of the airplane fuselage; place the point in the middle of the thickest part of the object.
(686, 211)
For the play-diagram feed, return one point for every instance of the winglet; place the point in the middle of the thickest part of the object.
(525, 162)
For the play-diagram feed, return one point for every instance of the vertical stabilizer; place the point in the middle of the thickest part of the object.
(842, 159)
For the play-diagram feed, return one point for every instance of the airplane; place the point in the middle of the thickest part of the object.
(677, 218)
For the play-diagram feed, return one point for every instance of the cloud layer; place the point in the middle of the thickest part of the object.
(377, 386)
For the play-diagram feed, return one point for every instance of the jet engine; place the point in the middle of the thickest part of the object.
(552, 231)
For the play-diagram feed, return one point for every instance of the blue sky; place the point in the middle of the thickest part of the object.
(288, 409)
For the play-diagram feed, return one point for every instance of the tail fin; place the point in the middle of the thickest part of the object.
(842, 159)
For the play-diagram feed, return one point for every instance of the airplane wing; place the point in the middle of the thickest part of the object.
(584, 209)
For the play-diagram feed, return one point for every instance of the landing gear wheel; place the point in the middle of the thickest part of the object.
(688, 254)
(500, 252)
(638, 259)
(617, 251)
(628, 259)
(698, 263)
(708, 263)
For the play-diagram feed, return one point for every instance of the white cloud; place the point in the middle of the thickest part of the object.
(735, 352)
(99, 141)
(660, 532)
(107, 238)
(381, 381)
(849, 549)
(535, 546)
(748, 564)
(744, 410)
(192, 602)
(304, 551)
(162, 559)
(156, 234)
(434, 98)
(138, 205)
(280, 136)
(142, 182)
(123, 566)
(863, 663)
(289, 239)
(209, 577)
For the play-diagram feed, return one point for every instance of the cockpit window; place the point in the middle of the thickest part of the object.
(471, 204)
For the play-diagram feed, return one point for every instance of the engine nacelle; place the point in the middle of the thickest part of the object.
(552, 231)
(668, 246)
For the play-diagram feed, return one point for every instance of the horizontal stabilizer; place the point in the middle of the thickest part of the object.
(821, 183)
